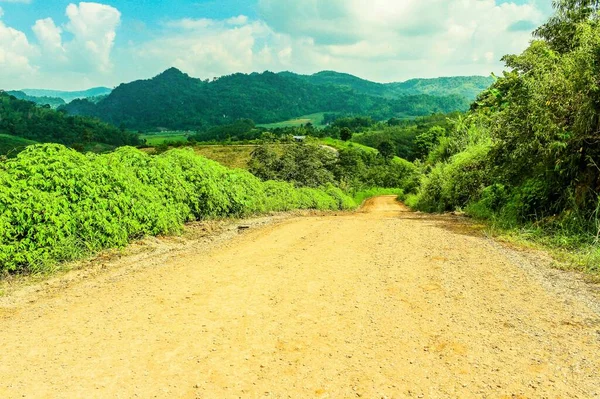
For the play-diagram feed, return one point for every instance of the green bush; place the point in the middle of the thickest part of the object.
(456, 183)
(57, 204)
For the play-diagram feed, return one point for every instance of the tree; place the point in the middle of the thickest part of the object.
(386, 150)
(560, 30)
(345, 134)
(428, 140)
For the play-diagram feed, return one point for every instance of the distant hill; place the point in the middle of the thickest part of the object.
(53, 102)
(175, 100)
(26, 120)
(465, 86)
(68, 96)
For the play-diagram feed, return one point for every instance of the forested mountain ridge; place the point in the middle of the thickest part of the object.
(53, 102)
(175, 100)
(464, 86)
(25, 119)
(68, 96)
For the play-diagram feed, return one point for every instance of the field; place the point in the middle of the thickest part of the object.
(233, 156)
(315, 119)
(158, 138)
(10, 145)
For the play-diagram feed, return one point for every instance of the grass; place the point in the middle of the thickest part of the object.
(158, 138)
(12, 145)
(315, 119)
(233, 156)
(568, 252)
(341, 145)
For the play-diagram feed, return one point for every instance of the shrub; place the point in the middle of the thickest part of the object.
(456, 183)
(57, 204)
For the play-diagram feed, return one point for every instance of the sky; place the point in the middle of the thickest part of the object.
(56, 44)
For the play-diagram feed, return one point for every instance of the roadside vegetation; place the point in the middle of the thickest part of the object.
(527, 156)
(311, 164)
(57, 204)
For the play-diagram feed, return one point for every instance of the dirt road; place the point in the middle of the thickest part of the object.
(383, 303)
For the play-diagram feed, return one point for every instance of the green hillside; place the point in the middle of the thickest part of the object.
(26, 120)
(464, 86)
(314, 119)
(68, 96)
(12, 145)
(53, 102)
(176, 101)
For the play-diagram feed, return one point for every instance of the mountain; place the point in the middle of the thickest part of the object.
(175, 100)
(53, 102)
(25, 120)
(348, 81)
(68, 96)
(465, 86)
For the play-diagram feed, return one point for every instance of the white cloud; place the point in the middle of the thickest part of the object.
(385, 40)
(381, 40)
(50, 39)
(190, 23)
(15, 55)
(239, 20)
(94, 28)
(85, 54)
(209, 48)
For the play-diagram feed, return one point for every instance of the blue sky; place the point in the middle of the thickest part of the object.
(72, 45)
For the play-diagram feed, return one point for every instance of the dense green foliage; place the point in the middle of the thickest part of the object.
(528, 153)
(410, 139)
(57, 204)
(242, 129)
(27, 120)
(467, 87)
(313, 165)
(174, 100)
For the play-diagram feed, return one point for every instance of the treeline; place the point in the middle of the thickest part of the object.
(467, 87)
(57, 204)
(410, 139)
(312, 164)
(25, 119)
(52, 102)
(528, 152)
(176, 101)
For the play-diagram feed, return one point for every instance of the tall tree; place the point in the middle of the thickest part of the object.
(560, 30)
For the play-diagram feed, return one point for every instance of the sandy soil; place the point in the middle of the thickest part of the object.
(383, 303)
